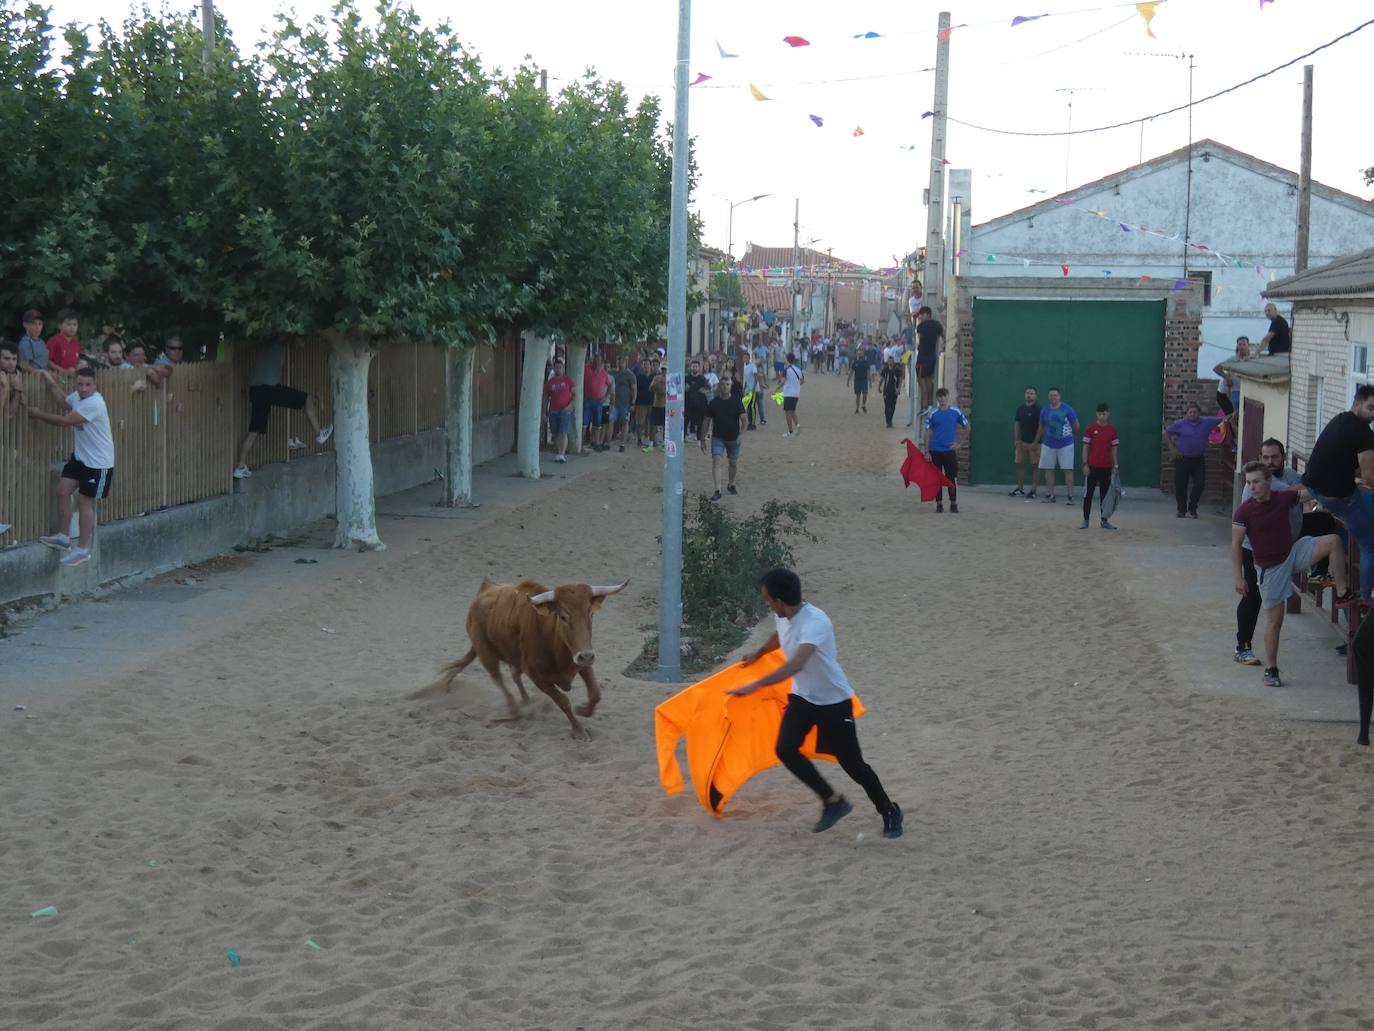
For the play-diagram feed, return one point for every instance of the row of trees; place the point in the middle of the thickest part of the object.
(354, 178)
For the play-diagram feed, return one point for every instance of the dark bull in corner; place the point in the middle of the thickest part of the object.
(543, 633)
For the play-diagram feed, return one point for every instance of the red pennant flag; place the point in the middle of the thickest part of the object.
(796, 41)
(1064, 269)
(920, 472)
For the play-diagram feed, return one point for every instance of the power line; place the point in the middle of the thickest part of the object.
(1172, 110)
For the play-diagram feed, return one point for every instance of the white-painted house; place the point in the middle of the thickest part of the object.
(1237, 206)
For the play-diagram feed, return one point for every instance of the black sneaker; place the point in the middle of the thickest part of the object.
(715, 496)
(622, 449)
(731, 489)
(953, 507)
(832, 813)
(892, 822)
(939, 506)
(1017, 493)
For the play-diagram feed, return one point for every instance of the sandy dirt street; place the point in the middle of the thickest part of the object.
(1109, 824)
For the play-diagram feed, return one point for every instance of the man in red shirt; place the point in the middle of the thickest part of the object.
(64, 350)
(1264, 519)
(1100, 445)
(594, 379)
(558, 402)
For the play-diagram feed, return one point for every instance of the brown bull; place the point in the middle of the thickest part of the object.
(543, 633)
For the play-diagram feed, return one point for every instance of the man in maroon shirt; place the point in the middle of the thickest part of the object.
(1264, 519)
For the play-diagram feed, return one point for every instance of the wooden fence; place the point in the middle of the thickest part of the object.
(177, 442)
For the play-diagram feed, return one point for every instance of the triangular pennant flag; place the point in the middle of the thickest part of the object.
(927, 114)
(1179, 284)
(1144, 279)
(991, 258)
(758, 93)
(1064, 269)
(1025, 262)
(1147, 11)
(858, 130)
(1124, 227)
(944, 161)
(722, 50)
(1021, 19)
(796, 41)
(817, 119)
(868, 35)
(944, 34)
(1106, 272)
(1099, 214)
(701, 77)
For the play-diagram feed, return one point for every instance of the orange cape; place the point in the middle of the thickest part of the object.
(728, 739)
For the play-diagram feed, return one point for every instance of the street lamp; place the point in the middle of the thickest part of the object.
(730, 245)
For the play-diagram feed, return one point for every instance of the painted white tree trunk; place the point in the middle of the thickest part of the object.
(458, 489)
(355, 507)
(537, 351)
(577, 362)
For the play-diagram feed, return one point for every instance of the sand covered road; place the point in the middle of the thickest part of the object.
(1091, 840)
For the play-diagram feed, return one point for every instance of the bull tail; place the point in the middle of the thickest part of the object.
(446, 677)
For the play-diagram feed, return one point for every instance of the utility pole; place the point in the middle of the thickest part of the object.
(935, 212)
(829, 285)
(670, 573)
(796, 285)
(207, 29)
(1305, 174)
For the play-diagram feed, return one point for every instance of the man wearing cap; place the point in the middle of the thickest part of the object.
(33, 350)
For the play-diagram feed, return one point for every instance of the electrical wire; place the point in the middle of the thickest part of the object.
(1172, 110)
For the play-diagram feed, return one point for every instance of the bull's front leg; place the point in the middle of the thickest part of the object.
(559, 694)
(593, 691)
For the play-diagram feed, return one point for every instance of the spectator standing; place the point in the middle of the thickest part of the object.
(1187, 440)
(658, 409)
(1100, 450)
(64, 349)
(930, 335)
(1248, 608)
(594, 380)
(624, 384)
(890, 385)
(11, 383)
(1279, 339)
(858, 373)
(1056, 436)
(1264, 519)
(265, 392)
(942, 433)
(698, 397)
(112, 353)
(1025, 432)
(173, 353)
(1340, 467)
(33, 349)
(90, 470)
(644, 398)
(792, 380)
(1228, 387)
(724, 423)
(558, 408)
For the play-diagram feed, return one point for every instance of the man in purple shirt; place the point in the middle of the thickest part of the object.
(1187, 440)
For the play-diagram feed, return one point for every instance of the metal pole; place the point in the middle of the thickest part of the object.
(1305, 174)
(796, 286)
(935, 212)
(670, 576)
(207, 29)
(730, 237)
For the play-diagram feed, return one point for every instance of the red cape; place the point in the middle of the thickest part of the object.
(920, 472)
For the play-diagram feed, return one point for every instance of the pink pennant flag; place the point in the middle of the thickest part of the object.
(701, 77)
(796, 41)
(1064, 269)
(960, 252)
(1061, 200)
(1144, 279)
(943, 161)
(858, 130)
(944, 34)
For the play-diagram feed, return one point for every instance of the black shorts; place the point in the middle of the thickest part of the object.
(91, 483)
(658, 416)
(925, 370)
(789, 404)
(264, 398)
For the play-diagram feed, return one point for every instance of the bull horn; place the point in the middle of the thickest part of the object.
(601, 592)
(542, 598)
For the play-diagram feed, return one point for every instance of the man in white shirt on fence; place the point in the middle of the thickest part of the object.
(90, 470)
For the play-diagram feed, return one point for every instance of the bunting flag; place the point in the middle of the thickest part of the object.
(796, 41)
(867, 35)
(1021, 19)
(858, 130)
(758, 93)
(701, 77)
(1147, 11)
(817, 119)
(723, 54)
(1064, 269)
(944, 34)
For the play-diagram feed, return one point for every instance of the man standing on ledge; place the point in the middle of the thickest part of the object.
(821, 697)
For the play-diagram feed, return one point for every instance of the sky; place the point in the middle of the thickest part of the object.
(861, 195)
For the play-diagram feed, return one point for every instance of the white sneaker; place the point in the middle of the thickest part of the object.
(60, 541)
(296, 444)
(75, 557)
(4, 529)
(324, 434)
(560, 458)
(242, 472)
(787, 434)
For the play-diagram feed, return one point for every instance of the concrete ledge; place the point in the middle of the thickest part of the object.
(275, 499)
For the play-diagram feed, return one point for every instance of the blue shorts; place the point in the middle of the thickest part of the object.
(778, 367)
(619, 413)
(560, 422)
(729, 448)
(591, 412)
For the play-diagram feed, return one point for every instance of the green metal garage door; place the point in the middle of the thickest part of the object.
(1093, 351)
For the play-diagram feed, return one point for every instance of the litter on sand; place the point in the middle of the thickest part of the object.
(45, 911)
(311, 943)
(233, 957)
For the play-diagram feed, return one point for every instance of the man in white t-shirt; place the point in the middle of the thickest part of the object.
(792, 380)
(91, 468)
(821, 697)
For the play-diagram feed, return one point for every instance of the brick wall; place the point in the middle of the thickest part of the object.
(1182, 338)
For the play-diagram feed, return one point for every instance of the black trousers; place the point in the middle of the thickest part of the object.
(695, 412)
(1363, 647)
(1186, 469)
(948, 463)
(1248, 609)
(836, 736)
(1102, 479)
(889, 407)
(1319, 524)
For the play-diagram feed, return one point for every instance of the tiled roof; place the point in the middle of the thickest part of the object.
(1352, 275)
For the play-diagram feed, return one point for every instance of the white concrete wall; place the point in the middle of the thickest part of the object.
(1248, 213)
(1321, 365)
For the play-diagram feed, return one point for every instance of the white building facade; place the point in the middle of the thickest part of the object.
(1238, 211)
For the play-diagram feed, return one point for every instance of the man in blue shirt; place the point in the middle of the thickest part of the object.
(1058, 431)
(1187, 440)
(942, 433)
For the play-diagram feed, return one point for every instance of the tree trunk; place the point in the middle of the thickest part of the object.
(355, 507)
(458, 428)
(577, 362)
(537, 351)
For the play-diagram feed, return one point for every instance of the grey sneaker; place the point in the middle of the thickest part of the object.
(60, 541)
(1106, 525)
(1083, 525)
(75, 557)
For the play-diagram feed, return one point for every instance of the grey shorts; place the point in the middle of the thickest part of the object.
(1276, 582)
